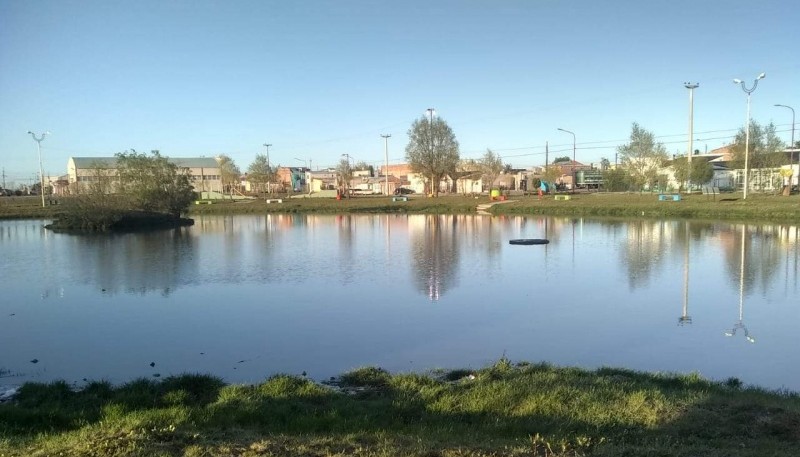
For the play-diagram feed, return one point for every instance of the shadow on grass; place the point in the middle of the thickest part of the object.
(519, 409)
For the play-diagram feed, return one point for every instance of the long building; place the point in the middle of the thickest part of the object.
(204, 172)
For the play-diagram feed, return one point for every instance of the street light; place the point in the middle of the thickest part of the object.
(269, 171)
(747, 129)
(41, 170)
(386, 156)
(791, 145)
(574, 162)
(431, 112)
(691, 87)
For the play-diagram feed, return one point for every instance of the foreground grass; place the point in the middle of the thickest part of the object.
(758, 207)
(502, 410)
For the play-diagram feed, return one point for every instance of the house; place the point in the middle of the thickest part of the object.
(204, 172)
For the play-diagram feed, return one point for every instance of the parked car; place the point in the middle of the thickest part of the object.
(403, 191)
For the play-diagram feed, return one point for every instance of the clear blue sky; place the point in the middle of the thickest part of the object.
(318, 79)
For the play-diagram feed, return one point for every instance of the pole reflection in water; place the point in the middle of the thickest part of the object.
(685, 318)
(740, 323)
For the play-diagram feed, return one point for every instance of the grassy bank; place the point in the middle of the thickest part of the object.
(723, 207)
(502, 410)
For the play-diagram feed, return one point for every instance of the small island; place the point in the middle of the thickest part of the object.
(139, 193)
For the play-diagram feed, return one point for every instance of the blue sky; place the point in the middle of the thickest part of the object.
(318, 79)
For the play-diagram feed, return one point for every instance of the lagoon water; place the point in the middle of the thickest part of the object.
(246, 297)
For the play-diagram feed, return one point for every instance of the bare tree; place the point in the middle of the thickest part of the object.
(432, 150)
(490, 165)
(229, 173)
(642, 156)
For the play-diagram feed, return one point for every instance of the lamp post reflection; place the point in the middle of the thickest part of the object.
(740, 323)
(685, 318)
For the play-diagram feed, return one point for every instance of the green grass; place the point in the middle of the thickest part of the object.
(504, 409)
(759, 207)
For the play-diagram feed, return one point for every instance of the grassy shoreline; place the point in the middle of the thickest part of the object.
(502, 410)
(758, 207)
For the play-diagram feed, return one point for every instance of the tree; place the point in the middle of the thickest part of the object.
(605, 164)
(260, 172)
(432, 150)
(344, 174)
(615, 180)
(701, 171)
(562, 159)
(490, 167)
(765, 153)
(229, 173)
(153, 183)
(642, 156)
(364, 166)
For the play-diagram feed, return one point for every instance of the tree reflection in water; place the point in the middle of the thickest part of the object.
(435, 254)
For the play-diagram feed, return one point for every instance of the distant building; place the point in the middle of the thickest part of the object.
(204, 172)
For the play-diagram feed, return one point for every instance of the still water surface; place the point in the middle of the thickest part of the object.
(245, 297)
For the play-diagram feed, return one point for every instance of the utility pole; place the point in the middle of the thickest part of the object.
(269, 170)
(4, 178)
(386, 156)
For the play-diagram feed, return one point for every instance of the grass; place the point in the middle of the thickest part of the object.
(501, 410)
(759, 207)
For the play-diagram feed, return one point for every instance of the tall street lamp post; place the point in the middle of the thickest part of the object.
(791, 145)
(386, 156)
(41, 170)
(747, 130)
(574, 162)
(269, 170)
(431, 112)
(691, 87)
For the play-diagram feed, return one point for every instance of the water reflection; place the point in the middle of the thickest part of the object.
(322, 293)
(740, 323)
(685, 318)
(135, 263)
(435, 254)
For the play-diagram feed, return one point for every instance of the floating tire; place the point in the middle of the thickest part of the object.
(529, 241)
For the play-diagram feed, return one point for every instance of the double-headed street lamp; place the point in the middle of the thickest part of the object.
(691, 87)
(791, 145)
(574, 162)
(747, 130)
(41, 170)
(386, 156)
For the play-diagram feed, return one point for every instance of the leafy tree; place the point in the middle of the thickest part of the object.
(765, 153)
(490, 166)
(260, 172)
(642, 156)
(153, 183)
(551, 174)
(344, 174)
(605, 164)
(616, 180)
(432, 150)
(562, 159)
(229, 173)
(701, 171)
